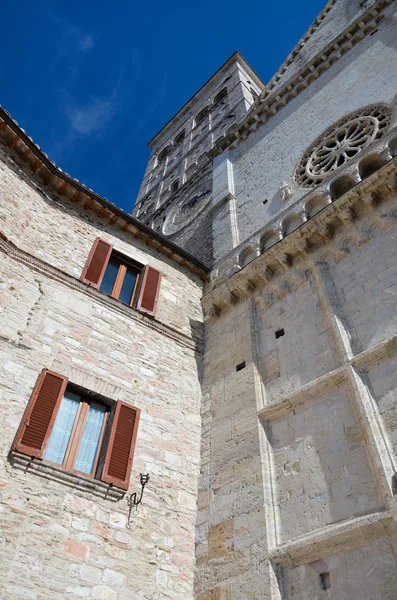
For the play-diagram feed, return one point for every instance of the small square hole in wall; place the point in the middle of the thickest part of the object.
(240, 366)
(265, 201)
(279, 333)
(325, 582)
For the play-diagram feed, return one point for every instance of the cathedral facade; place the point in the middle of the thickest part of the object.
(235, 339)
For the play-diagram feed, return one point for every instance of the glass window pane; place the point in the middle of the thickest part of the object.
(90, 438)
(128, 285)
(109, 277)
(60, 435)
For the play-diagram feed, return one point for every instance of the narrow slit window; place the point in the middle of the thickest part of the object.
(202, 116)
(179, 138)
(240, 366)
(325, 581)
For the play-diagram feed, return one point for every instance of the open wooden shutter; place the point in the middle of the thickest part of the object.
(120, 450)
(39, 417)
(96, 264)
(147, 301)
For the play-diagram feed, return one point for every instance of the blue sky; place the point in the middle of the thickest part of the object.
(93, 81)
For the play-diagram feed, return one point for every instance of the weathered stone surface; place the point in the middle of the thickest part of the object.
(64, 541)
(158, 204)
(221, 539)
(295, 487)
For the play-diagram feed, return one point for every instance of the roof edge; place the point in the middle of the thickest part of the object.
(56, 172)
(235, 57)
(301, 43)
(273, 99)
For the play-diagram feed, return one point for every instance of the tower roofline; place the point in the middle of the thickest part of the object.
(236, 57)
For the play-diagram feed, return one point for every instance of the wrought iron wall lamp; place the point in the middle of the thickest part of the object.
(132, 500)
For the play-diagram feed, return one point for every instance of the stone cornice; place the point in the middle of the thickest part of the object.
(298, 47)
(47, 270)
(334, 538)
(367, 162)
(271, 102)
(282, 268)
(54, 180)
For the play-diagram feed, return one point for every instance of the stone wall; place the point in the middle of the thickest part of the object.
(268, 157)
(297, 489)
(43, 225)
(294, 493)
(65, 536)
(333, 19)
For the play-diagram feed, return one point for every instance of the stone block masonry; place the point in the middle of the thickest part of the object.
(65, 536)
(225, 99)
(270, 432)
(299, 445)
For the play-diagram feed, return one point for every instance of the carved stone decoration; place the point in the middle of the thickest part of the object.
(341, 142)
(285, 191)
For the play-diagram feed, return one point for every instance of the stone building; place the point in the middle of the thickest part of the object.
(101, 323)
(268, 213)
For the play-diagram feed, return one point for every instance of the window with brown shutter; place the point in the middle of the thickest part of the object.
(97, 262)
(40, 413)
(149, 294)
(120, 452)
(69, 429)
(122, 278)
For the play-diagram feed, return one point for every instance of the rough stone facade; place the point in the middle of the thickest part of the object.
(298, 459)
(269, 433)
(63, 536)
(179, 165)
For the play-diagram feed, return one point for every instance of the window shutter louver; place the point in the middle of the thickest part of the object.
(149, 293)
(38, 420)
(120, 450)
(96, 264)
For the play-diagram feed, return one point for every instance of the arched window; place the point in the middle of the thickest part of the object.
(164, 153)
(174, 186)
(202, 115)
(221, 97)
(179, 138)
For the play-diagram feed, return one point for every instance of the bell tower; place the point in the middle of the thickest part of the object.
(176, 192)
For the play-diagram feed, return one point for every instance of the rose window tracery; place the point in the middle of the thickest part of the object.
(342, 142)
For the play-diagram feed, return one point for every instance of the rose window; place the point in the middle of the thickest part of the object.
(341, 143)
